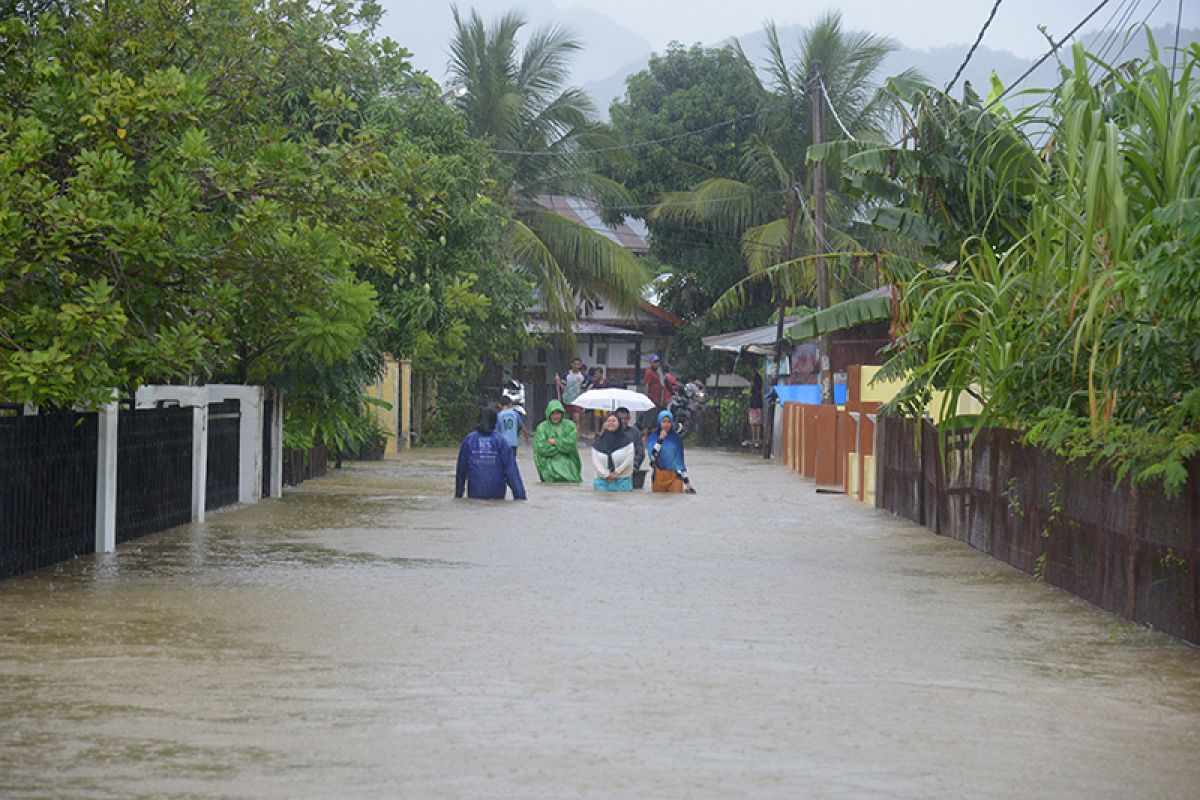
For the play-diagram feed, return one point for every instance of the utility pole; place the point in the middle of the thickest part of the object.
(817, 91)
(781, 302)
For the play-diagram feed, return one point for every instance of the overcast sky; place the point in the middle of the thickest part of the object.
(424, 26)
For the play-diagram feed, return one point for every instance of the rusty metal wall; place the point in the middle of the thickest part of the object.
(1130, 550)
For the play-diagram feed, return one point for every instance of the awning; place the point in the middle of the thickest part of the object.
(760, 341)
(872, 306)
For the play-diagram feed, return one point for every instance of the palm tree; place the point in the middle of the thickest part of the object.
(767, 206)
(544, 138)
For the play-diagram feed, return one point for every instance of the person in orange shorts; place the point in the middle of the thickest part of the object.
(666, 458)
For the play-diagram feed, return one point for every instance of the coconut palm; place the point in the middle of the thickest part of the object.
(767, 206)
(544, 137)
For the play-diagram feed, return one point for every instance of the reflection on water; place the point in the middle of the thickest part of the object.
(370, 636)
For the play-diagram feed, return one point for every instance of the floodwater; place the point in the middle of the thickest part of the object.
(369, 636)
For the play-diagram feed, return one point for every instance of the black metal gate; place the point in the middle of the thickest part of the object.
(47, 490)
(224, 438)
(154, 471)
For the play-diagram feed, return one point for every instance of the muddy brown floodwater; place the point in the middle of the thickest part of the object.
(369, 636)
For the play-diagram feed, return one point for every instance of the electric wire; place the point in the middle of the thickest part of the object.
(971, 52)
(1171, 89)
(636, 145)
(1114, 31)
(647, 206)
(1054, 49)
(829, 102)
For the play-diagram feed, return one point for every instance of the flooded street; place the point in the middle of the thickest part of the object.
(370, 636)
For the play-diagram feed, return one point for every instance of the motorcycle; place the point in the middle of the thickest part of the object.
(514, 390)
(686, 404)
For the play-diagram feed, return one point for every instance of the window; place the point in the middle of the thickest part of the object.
(602, 355)
(631, 357)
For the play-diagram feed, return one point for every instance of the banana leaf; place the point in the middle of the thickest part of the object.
(872, 306)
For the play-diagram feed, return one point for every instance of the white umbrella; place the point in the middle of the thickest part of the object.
(612, 399)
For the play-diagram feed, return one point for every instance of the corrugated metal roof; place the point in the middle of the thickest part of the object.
(630, 234)
(581, 327)
(855, 311)
(759, 340)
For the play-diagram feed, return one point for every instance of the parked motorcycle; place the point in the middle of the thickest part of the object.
(514, 390)
(686, 404)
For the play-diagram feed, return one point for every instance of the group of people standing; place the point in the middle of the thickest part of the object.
(574, 382)
(487, 465)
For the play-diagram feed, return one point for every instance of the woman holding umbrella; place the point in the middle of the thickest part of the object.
(612, 456)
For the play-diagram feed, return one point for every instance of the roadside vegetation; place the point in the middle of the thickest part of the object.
(264, 192)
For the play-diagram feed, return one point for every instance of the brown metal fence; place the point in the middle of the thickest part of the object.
(300, 465)
(1130, 550)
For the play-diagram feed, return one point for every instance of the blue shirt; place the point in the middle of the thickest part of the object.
(487, 467)
(508, 425)
(670, 455)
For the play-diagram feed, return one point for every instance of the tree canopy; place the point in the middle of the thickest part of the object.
(546, 142)
(235, 191)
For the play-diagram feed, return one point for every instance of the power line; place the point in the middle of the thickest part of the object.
(1114, 31)
(1171, 88)
(829, 102)
(1050, 52)
(646, 206)
(636, 145)
(971, 52)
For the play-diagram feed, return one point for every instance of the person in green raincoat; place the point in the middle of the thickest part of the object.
(554, 451)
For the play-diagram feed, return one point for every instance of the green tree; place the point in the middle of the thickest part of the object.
(235, 191)
(180, 174)
(684, 90)
(767, 203)
(1072, 312)
(544, 138)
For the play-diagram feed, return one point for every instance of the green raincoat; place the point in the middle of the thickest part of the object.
(558, 462)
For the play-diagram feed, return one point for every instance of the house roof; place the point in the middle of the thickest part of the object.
(760, 340)
(868, 307)
(662, 313)
(630, 233)
(580, 328)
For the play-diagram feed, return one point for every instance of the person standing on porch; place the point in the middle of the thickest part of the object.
(594, 420)
(657, 388)
(756, 409)
(570, 385)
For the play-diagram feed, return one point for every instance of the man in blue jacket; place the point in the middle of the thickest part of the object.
(486, 464)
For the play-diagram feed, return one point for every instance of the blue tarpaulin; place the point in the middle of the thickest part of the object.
(809, 393)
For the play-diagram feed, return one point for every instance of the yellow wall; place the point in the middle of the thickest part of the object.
(882, 391)
(387, 388)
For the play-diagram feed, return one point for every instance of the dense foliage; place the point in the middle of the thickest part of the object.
(238, 191)
(682, 90)
(546, 142)
(1073, 311)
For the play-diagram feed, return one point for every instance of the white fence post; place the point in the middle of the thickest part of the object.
(277, 444)
(250, 463)
(199, 461)
(106, 479)
(195, 397)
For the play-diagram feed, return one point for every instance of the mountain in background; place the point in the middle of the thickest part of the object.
(937, 65)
